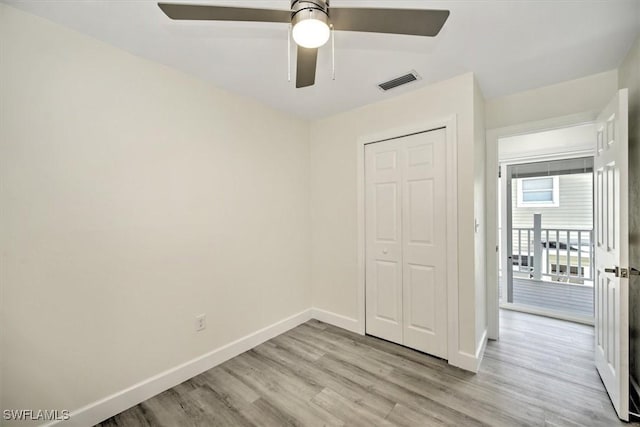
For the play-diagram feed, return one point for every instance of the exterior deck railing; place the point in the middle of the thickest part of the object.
(565, 254)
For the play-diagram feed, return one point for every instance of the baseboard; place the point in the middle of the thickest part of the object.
(338, 320)
(102, 409)
(467, 361)
(463, 360)
(482, 346)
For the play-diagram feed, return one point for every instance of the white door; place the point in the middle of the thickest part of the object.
(406, 241)
(383, 222)
(612, 252)
(424, 250)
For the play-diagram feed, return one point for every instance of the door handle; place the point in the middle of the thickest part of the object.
(615, 270)
(623, 272)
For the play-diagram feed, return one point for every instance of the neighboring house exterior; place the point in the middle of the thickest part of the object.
(574, 208)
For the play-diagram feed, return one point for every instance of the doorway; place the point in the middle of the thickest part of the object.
(608, 145)
(548, 255)
(545, 222)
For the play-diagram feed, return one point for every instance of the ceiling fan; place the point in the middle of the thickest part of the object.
(312, 22)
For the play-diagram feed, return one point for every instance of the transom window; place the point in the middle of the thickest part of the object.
(538, 192)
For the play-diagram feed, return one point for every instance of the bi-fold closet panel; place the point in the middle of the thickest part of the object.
(406, 254)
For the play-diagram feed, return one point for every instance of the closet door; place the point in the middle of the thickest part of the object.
(424, 225)
(383, 275)
(405, 221)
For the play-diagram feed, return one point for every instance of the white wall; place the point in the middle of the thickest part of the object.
(629, 77)
(133, 198)
(587, 94)
(334, 241)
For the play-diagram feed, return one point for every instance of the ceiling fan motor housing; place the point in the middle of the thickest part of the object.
(309, 9)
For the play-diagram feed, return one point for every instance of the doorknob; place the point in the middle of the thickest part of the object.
(384, 251)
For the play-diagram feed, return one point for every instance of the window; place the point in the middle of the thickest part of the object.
(538, 192)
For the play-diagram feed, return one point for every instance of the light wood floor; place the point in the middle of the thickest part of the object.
(539, 373)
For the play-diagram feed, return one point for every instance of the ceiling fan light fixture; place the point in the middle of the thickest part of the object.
(311, 33)
(310, 22)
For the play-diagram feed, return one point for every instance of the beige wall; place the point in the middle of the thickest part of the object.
(134, 198)
(629, 77)
(587, 94)
(334, 177)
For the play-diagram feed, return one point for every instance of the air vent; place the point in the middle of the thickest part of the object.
(399, 81)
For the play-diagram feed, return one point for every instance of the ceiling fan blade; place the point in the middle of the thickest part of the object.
(418, 22)
(306, 70)
(223, 13)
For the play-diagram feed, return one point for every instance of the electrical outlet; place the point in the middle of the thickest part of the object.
(201, 322)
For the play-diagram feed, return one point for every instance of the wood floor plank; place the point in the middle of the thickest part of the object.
(406, 417)
(350, 390)
(349, 411)
(540, 373)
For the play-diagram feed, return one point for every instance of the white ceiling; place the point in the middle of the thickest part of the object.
(511, 45)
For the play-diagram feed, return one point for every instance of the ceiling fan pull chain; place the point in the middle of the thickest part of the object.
(289, 55)
(333, 53)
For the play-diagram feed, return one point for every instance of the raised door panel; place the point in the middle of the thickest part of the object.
(420, 288)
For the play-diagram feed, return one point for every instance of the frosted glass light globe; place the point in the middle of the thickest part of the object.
(311, 33)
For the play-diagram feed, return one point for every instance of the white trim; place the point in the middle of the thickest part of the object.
(360, 259)
(569, 154)
(482, 346)
(547, 313)
(471, 362)
(344, 322)
(109, 406)
(492, 136)
(450, 124)
(453, 327)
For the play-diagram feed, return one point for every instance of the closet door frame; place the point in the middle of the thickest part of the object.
(450, 125)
